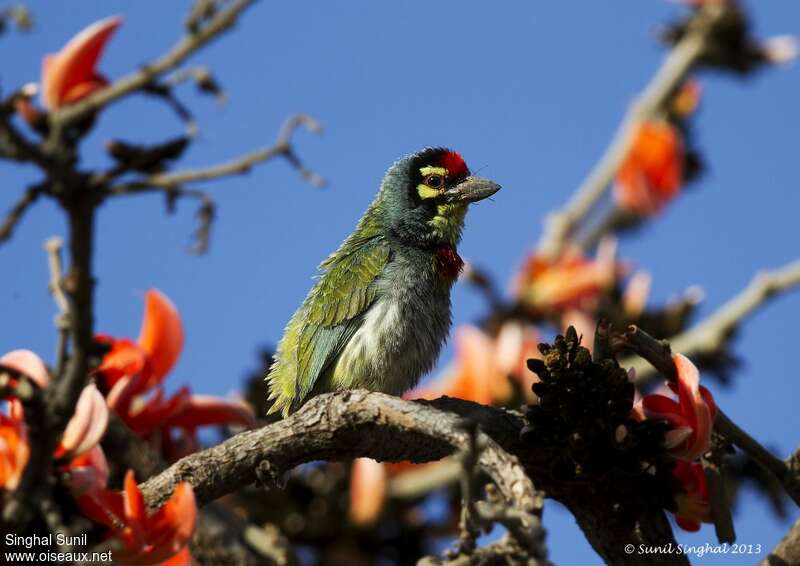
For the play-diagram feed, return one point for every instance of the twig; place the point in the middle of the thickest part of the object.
(561, 224)
(17, 211)
(783, 472)
(711, 334)
(658, 353)
(787, 552)
(202, 78)
(713, 466)
(62, 319)
(222, 20)
(281, 147)
(13, 145)
(476, 516)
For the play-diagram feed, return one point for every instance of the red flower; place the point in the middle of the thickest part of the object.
(14, 451)
(87, 473)
(134, 371)
(84, 430)
(570, 281)
(692, 501)
(144, 538)
(652, 173)
(70, 75)
(691, 417)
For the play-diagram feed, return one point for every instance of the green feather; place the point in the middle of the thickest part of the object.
(329, 316)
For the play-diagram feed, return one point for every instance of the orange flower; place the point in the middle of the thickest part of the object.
(87, 425)
(692, 501)
(153, 355)
(14, 451)
(687, 99)
(144, 538)
(484, 365)
(691, 417)
(570, 281)
(367, 490)
(133, 372)
(637, 291)
(70, 75)
(87, 473)
(652, 173)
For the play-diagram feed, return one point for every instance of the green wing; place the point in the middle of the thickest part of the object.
(327, 319)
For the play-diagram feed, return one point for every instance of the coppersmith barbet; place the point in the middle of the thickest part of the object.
(379, 313)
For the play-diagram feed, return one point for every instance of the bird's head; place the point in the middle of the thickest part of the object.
(424, 197)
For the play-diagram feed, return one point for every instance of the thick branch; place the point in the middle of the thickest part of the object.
(651, 102)
(336, 427)
(62, 395)
(357, 423)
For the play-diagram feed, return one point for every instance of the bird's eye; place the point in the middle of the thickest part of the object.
(434, 181)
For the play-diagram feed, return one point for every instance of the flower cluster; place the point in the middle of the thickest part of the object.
(131, 375)
(690, 418)
(586, 412)
(129, 382)
(661, 159)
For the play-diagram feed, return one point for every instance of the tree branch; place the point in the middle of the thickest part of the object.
(337, 427)
(213, 27)
(659, 354)
(561, 225)
(711, 334)
(30, 196)
(362, 424)
(787, 552)
(62, 395)
(281, 148)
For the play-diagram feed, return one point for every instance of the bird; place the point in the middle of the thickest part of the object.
(380, 311)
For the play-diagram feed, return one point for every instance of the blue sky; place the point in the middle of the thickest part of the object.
(529, 93)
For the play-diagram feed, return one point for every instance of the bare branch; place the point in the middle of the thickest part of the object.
(712, 333)
(343, 426)
(202, 78)
(357, 423)
(62, 319)
(62, 395)
(281, 148)
(17, 211)
(561, 224)
(480, 516)
(788, 550)
(220, 22)
(714, 466)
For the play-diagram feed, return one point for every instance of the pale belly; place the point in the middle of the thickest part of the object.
(398, 342)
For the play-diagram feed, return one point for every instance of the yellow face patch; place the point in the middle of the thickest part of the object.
(426, 191)
(431, 170)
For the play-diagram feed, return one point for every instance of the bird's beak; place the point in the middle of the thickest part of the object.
(470, 189)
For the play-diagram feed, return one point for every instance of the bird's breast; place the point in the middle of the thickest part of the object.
(402, 332)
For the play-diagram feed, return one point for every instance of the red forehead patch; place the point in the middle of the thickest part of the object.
(454, 163)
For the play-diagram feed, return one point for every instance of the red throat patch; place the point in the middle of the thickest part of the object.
(448, 261)
(454, 163)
